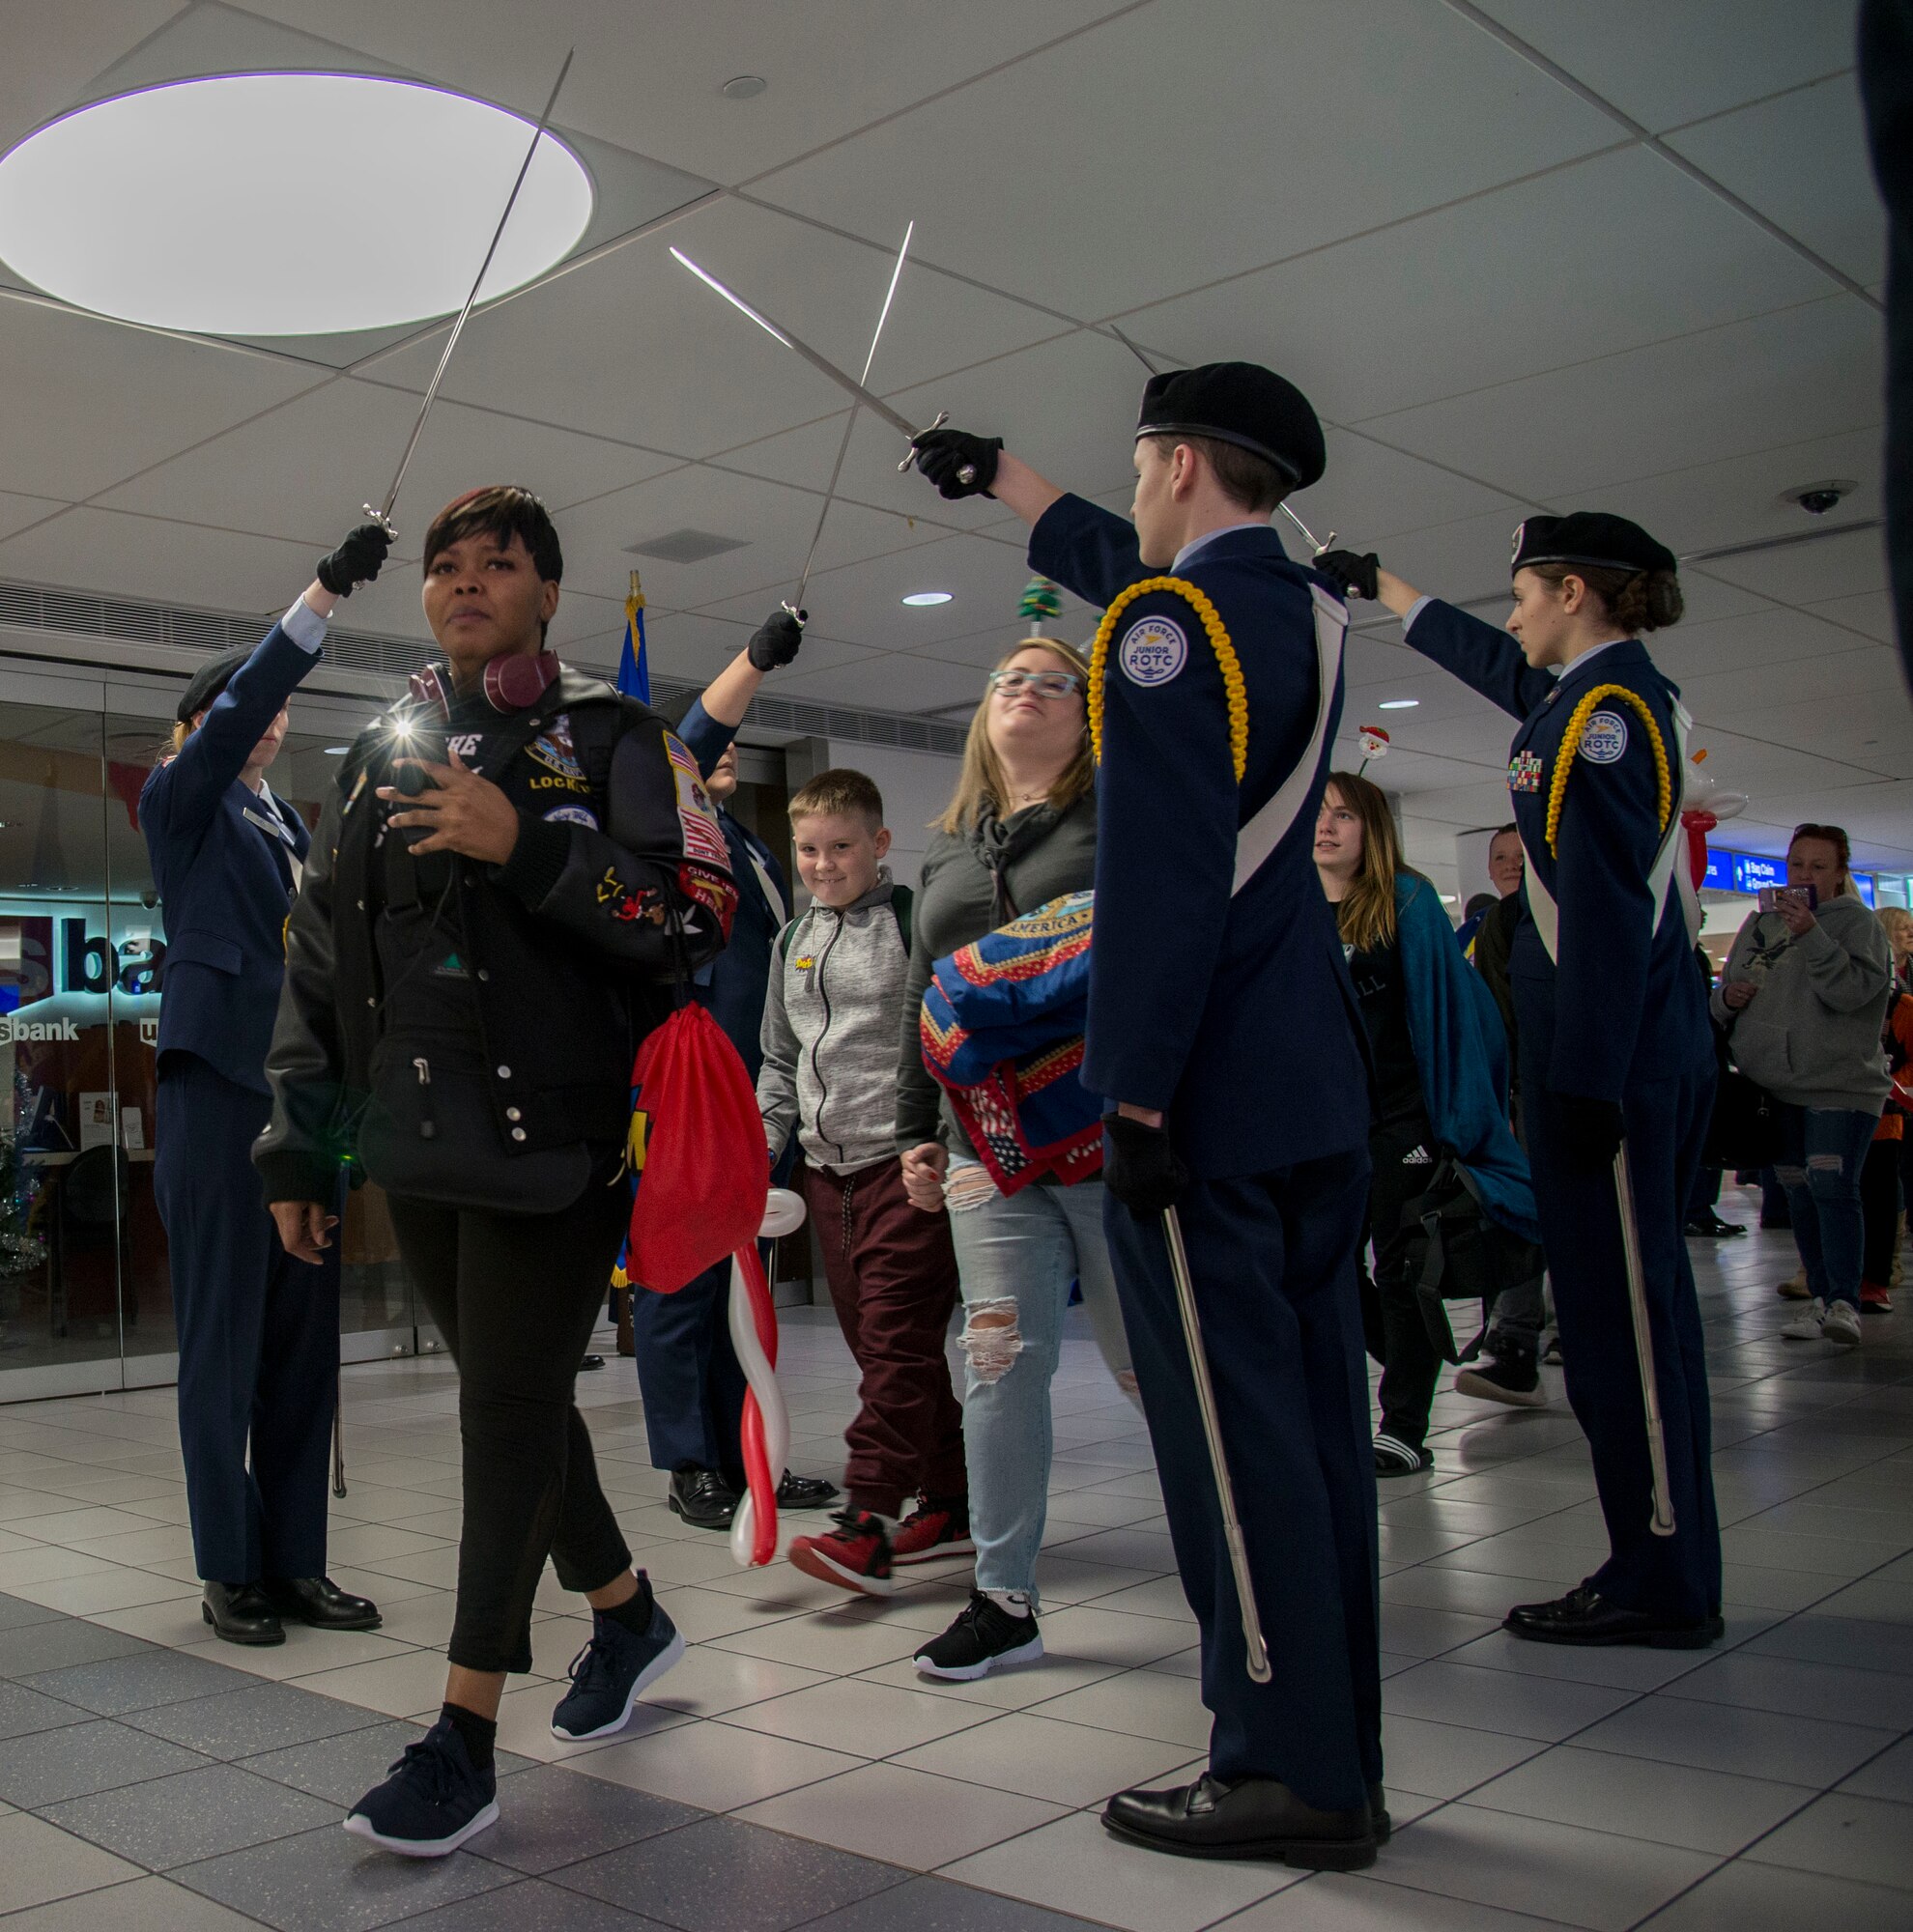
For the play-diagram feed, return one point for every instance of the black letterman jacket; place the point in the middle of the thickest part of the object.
(619, 881)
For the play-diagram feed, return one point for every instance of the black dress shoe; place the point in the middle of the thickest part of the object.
(1584, 1616)
(805, 1493)
(319, 1602)
(1378, 1813)
(241, 1614)
(1253, 1818)
(1711, 1227)
(702, 1498)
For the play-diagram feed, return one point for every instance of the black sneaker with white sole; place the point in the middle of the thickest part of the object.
(1395, 1458)
(609, 1674)
(983, 1636)
(1512, 1377)
(434, 1800)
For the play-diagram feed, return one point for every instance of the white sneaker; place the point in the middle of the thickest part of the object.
(1842, 1324)
(1806, 1326)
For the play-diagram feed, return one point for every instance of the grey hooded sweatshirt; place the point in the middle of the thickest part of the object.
(1810, 1034)
(831, 1022)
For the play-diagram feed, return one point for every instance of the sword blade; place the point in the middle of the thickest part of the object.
(822, 364)
(796, 604)
(1662, 1521)
(383, 514)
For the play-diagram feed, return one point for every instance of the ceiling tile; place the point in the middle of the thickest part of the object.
(1666, 64)
(1413, 107)
(1871, 613)
(1545, 272)
(1811, 573)
(1802, 161)
(18, 512)
(897, 681)
(173, 564)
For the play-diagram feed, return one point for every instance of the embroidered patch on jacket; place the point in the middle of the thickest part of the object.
(571, 814)
(711, 890)
(697, 816)
(629, 903)
(451, 967)
(1525, 772)
(555, 750)
(1604, 739)
(1153, 651)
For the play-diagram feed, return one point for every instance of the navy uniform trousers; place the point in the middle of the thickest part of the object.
(1272, 1258)
(234, 1286)
(1666, 1120)
(688, 1375)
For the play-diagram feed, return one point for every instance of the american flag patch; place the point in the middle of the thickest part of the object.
(697, 816)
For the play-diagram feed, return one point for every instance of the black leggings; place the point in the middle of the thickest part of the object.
(516, 1298)
(1396, 1335)
(1879, 1211)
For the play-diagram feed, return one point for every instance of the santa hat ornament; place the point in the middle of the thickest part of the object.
(1374, 743)
(1704, 804)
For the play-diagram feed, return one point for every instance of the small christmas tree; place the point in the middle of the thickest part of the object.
(1042, 605)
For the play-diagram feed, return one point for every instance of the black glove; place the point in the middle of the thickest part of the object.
(1351, 571)
(356, 560)
(958, 463)
(1587, 1132)
(1139, 1165)
(775, 642)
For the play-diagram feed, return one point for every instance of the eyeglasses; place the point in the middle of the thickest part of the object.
(1043, 683)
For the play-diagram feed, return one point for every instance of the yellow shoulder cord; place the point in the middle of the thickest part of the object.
(1570, 746)
(1226, 660)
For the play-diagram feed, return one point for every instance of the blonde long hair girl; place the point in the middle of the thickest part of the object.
(982, 784)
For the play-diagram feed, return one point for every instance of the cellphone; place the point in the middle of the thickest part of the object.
(1773, 897)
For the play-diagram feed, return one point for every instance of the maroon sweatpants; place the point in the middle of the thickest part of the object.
(892, 1278)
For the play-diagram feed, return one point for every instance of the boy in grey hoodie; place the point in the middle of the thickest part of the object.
(831, 1022)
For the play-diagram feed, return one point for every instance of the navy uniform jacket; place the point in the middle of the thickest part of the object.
(222, 858)
(1624, 994)
(736, 983)
(1235, 1015)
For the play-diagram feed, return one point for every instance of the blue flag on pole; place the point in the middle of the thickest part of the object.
(634, 669)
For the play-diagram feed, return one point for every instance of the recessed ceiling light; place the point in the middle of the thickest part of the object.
(1398, 704)
(191, 206)
(744, 87)
(337, 751)
(920, 597)
(1448, 898)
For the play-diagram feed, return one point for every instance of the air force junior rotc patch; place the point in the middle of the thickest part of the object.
(1604, 739)
(1153, 651)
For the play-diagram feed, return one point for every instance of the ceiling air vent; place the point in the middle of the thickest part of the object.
(686, 546)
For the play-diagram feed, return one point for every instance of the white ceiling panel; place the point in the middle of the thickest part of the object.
(1696, 653)
(1546, 272)
(1870, 613)
(52, 53)
(1665, 62)
(147, 557)
(1812, 573)
(18, 512)
(331, 449)
(1350, 113)
(1869, 675)
(1802, 161)
(634, 346)
(654, 67)
(898, 681)
(1780, 377)
(1383, 494)
(91, 402)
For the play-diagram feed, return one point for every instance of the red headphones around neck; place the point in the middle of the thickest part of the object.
(512, 683)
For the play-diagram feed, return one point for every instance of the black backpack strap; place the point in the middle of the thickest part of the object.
(902, 902)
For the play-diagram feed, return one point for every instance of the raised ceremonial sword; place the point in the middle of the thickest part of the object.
(383, 516)
(1309, 535)
(848, 384)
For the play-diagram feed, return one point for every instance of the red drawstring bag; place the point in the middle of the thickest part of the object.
(697, 1146)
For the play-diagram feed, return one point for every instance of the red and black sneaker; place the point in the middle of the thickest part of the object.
(856, 1555)
(939, 1527)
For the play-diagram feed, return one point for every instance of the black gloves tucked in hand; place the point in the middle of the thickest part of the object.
(1139, 1165)
(356, 560)
(1587, 1132)
(1351, 571)
(776, 640)
(958, 463)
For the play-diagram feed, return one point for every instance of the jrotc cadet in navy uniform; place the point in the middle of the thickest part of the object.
(1224, 1035)
(1614, 1038)
(687, 1369)
(259, 1331)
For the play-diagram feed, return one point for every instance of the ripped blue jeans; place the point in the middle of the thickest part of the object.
(1820, 1168)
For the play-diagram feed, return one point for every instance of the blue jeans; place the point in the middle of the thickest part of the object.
(1826, 1148)
(1016, 1256)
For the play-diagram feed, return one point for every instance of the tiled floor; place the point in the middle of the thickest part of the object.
(795, 1771)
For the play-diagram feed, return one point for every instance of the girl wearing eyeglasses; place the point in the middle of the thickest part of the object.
(1020, 831)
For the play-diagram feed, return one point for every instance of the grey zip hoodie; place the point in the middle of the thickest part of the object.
(832, 1015)
(1811, 1035)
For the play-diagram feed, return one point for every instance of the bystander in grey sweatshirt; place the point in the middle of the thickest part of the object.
(1810, 1034)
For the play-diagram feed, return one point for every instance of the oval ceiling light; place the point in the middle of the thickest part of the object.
(1398, 704)
(209, 205)
(924, 597)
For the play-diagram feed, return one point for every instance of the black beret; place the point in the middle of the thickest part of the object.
(1591, 537)
(207, 683)
(1241, 403)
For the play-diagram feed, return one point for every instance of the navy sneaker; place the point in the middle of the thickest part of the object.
(609, 1674)
(434, 1801)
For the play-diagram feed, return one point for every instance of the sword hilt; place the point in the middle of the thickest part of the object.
(382, 518)
(966, 475)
